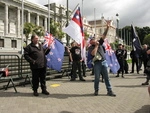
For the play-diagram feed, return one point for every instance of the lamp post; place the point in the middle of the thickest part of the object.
(82, 8)
(22, 26)
(49, 16)
(117, 19)
(67, 37)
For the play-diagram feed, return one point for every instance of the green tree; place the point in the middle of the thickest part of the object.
(56, 29)
(142, 32)
(30, 28)
(147, 39)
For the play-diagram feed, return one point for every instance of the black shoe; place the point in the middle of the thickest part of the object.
(45, 92)
(131, 72)
(72, 79)
(82, 79)
(137, 72)
(35, 93)
(110, 93)
(122, 76)
(84, 75)
(117, 76)
(145, 83)
(126, 73)
(96, 92)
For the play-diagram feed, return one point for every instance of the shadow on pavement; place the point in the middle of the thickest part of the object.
(130, 86)
(53, 95)
(66, 112)
(144, 109)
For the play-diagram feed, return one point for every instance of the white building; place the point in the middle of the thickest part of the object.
(11, 22)
(100, 26)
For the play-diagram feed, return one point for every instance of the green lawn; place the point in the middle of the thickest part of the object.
(129, 61)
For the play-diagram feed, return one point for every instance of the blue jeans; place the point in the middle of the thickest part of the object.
(98, 70)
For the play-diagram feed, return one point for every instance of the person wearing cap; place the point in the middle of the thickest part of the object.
(99, 65)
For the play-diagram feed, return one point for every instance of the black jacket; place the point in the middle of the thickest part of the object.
(36, 55)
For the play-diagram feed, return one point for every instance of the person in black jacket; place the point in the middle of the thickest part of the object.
(144, 55)
(34, 53)
(147, 69)
(76, 62)
(134, 57)
(125, 60)
(120, 58)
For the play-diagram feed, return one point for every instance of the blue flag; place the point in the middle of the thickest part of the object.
(56, 55)
(136, 42)
(89, 60)
(111, 57)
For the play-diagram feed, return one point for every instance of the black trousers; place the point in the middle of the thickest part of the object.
(121, 63)
(39, 75)
(83, 68)
(126, 67)
(76, 65)
(135, 61)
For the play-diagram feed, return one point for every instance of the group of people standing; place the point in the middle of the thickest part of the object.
(96, 50)
(34, 53)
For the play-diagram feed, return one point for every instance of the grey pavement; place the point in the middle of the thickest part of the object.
(77, 97)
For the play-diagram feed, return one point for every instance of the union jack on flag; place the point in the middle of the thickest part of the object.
(48, 39)
(111, 57)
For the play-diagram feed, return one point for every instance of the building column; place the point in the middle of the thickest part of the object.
(6, 19)
(37, 20)
(45, 23)
(29, 16)
(18, 22)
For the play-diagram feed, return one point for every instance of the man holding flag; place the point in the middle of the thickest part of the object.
(100, 64)
(137, 48)
(34, 53)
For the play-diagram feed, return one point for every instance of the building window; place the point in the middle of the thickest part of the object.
(13, 43)
(1, 42)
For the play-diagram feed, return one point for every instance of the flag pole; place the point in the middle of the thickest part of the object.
(95, 22)
(71, 14)
(67, 37)
(22, 27)
(82, 8)
(49, 16)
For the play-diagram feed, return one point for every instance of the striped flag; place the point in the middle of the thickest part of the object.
(75, 31)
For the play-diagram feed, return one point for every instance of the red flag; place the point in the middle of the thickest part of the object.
(75, 31)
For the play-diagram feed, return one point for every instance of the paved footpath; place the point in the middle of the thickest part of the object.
(77, 97)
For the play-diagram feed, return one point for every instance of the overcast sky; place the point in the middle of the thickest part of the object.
(136, 12)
